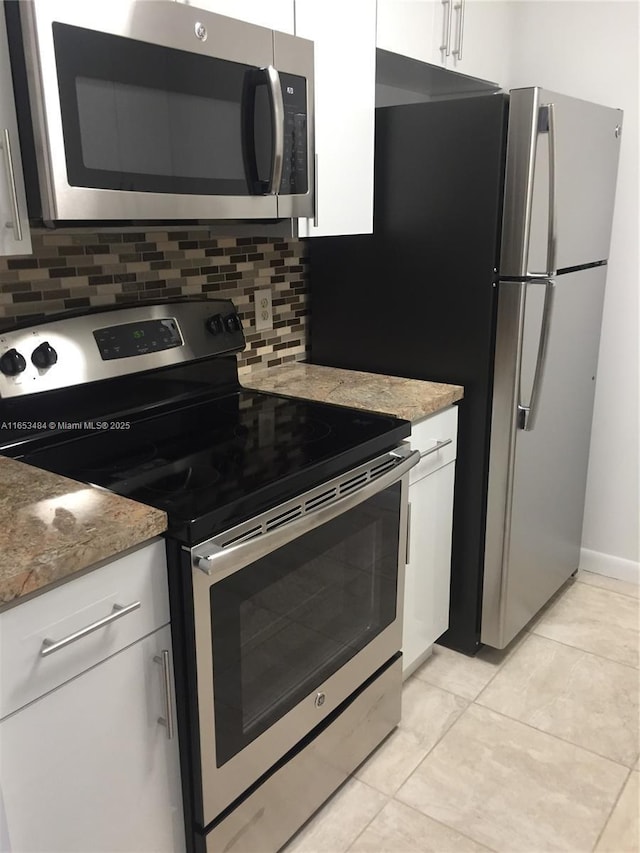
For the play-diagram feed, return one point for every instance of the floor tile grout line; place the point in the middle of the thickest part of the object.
(559, 595)
(444, 733)
(384, 805)
(587, 651)
(560, 643)
(508, 657)
(603, 589)
(580, 649)
(445, 825)
(413, 732)
(613, 808)
(606, 589)
(556, 737)
(499, 666)
(511, 719)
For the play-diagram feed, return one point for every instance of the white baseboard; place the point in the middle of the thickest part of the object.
(610, 566)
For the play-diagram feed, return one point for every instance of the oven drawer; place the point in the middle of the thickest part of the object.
(436, 439)
(137, 583)
(295, 790)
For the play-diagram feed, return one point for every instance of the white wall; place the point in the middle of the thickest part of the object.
(590, 50)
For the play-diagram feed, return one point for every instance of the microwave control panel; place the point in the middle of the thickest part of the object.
(294, 170)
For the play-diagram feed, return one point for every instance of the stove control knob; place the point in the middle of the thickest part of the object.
(215, 324)
(44, 355)
(232, 322)
(12, 363)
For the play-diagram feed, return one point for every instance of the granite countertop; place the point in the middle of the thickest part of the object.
(412, 399)
(54, 527)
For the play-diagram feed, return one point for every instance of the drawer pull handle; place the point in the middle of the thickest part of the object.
(168, 721)
(436, 447)
(51, 646)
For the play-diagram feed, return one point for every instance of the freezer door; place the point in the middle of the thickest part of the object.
(560, 178)
(538, 467)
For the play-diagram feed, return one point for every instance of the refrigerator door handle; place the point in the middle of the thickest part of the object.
(527, 414)
(547, 124)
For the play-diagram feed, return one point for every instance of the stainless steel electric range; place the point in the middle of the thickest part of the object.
(286, 547)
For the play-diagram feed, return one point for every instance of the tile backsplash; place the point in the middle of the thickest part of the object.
(75, 269)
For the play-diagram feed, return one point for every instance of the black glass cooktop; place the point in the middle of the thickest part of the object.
(214, 463)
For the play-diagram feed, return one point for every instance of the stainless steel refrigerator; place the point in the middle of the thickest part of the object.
(492, 224)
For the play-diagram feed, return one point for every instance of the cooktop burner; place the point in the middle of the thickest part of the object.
(213, 463)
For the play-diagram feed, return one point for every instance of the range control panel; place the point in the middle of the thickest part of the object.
(129, 339)
(106, 344)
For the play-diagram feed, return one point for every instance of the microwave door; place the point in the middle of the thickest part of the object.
(137, 118)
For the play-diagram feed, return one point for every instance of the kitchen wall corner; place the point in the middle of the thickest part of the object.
(79, 268)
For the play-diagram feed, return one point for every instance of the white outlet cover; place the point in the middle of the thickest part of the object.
(263, 308)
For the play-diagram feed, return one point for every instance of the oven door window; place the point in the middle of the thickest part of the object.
(145, 118)
(282, 625)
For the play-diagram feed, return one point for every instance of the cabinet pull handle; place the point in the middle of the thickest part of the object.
(11, 177)
(445, 47)
(457, 51)
(436, 447)
(408, 551)
(51, 646)
(167, 720)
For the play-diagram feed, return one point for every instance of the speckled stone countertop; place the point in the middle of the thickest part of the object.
(412, 399)
(53, 527)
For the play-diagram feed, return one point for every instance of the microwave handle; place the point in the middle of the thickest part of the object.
(277, 117)
(269, 78)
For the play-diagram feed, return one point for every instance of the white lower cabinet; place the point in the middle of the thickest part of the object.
(428, 572)
(89, 765)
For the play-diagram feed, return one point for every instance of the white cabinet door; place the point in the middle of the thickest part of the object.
(15, 238)
(428, 573)
(89, 768)
(481, 40)
(344, 36)
(415, 28)
(469, 36)
(275, 14)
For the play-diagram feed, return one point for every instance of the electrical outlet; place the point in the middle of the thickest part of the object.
(264, 309)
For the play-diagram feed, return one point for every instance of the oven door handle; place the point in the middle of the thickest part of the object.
(225, 561)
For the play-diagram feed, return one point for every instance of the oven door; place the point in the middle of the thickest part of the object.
(159, 110)
(298, 609)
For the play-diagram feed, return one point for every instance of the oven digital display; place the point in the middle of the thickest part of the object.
(140, 338)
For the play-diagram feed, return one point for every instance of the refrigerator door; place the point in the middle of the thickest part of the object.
(562, 161)
(538, 471)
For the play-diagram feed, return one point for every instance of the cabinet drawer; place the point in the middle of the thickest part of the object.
(428, 436)
(25, 674)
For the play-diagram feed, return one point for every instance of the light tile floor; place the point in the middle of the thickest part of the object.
(527, 750)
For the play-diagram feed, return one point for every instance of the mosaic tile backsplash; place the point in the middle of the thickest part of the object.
(70, 270)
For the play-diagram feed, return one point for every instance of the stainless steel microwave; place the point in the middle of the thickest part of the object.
(153, 110)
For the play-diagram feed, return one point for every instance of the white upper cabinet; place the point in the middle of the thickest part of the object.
(414, 28)
(15, 238)
(468, 36)
(344, 36)
(275, 14)
(481, 38)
